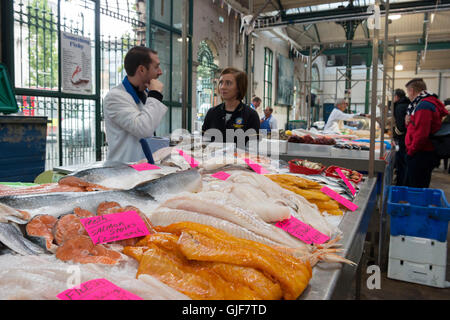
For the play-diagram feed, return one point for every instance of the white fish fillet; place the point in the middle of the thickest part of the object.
(44, 277)
(247, 198)
(164, 217)
(220, 209)
(304, 210)
(221, 161)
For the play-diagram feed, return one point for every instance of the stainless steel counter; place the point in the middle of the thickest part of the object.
(352, 160)
(334, 280)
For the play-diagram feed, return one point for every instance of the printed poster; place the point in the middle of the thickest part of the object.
(76, 63)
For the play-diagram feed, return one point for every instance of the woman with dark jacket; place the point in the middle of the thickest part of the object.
(233, 120)
(401, 103)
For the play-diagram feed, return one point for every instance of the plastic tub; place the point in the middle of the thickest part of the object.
(331, 172)
(295, 168)
(418, 212)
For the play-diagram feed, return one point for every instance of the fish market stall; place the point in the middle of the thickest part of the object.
(302, 235)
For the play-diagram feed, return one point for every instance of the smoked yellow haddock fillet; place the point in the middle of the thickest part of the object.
(206, 263)
(216, 245)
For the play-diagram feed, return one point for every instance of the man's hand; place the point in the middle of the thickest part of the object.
(407, 119)
(155, 85)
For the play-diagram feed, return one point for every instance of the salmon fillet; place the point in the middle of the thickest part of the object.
(81, 249)
(42, 226)
(67, 227)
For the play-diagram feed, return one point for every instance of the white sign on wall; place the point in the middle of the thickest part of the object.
(76, 63)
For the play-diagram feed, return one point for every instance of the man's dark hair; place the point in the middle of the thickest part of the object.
(136, 57)
(400, 93)
(256, 99)
(417, 84)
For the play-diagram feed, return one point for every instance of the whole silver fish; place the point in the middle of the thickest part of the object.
(116, 175)
(141, 196)
(12, 238)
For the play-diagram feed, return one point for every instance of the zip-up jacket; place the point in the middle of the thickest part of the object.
(426, 120)
(243, 117)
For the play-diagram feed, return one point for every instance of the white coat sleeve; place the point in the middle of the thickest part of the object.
(124, 113)
(344, 116)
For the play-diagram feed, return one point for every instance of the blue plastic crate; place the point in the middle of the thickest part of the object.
(417, 212)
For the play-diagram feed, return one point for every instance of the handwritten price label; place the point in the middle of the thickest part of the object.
(97, 289)
(302, 231)
(221, 175)
(336, 196)
(115, 226)
(192, 162)
(255, 167)
(343, 177)
(144, 166)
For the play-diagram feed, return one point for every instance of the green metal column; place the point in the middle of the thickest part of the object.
(190, 37)
(98, 131)
(350, 28)
(7, 27)
(60, 148)
(247, 69)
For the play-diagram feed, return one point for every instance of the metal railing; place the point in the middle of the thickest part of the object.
(75, 132)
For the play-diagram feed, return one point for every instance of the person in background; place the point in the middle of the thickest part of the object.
(133, 109)
(232, 114)
(401, 103)
(268, 122)
(332, 125)
(256, 102)
(424, 117)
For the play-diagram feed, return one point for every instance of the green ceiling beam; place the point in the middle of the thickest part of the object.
(400, 48)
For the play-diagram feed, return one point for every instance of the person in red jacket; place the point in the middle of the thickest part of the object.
(424, 118)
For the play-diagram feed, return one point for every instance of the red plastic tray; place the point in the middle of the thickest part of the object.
(294, 168)
(330, 172)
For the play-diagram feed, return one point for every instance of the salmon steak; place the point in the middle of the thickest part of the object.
(67, 227)
(39, 230)
(81, 249)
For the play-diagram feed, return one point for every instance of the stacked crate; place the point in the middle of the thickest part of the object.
(418, 243)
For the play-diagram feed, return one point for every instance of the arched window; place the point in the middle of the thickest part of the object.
(206, 70)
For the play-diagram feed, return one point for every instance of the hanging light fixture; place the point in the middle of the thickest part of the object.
(399, 67)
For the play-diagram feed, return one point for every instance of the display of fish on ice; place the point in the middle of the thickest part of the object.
(114, 175)
(255, 189)
(43, 277)
(21, 209)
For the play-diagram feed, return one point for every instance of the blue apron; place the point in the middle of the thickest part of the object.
(145, 147)
(266, 124)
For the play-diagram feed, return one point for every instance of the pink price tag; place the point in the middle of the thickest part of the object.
(343, 177)
(221, 175)
(336, 196)
(144, 166)
(192, 162)
(303, 231)
(97, 289)
(256, 167)
(115, 226)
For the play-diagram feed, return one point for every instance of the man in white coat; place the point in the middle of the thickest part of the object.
(332, 126)
(133, 110)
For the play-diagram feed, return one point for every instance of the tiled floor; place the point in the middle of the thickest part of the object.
(399, 290)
